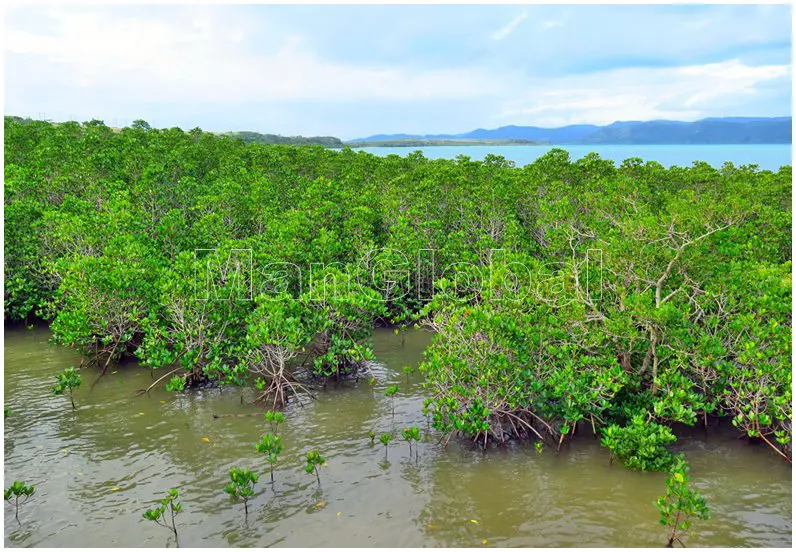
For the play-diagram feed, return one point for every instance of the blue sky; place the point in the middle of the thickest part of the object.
(353, 71)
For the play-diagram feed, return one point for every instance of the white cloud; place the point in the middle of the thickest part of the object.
(502, 33)
(200, 57)
(685, 93)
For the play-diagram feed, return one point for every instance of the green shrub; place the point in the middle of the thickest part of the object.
(640, 445)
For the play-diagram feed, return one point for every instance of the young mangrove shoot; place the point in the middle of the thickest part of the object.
(66, 382)
(314, 459)
(18, 490)
(411, 434)
(385, 439)
(167, 504)
(241, 486)
(680, 504)
(274, 418)
(271, 446)
(390, 392)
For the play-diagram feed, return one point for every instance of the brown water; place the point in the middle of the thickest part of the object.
(97, 469)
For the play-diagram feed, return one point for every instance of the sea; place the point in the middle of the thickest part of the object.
(765, 156)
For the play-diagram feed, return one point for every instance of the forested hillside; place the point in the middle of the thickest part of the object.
(257, 138)
(623, 299)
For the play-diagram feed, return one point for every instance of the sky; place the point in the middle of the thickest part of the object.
(354, 71)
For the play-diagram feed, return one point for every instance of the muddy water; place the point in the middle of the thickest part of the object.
(98, 468)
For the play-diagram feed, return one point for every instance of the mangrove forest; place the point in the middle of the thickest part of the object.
(565, 301)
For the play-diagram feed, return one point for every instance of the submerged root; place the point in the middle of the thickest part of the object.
(280, 390)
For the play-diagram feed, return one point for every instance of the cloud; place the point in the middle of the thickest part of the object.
(502, 33)
(684, 93)
(206, 60)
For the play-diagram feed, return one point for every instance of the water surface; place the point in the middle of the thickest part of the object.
(766, 156)
(97, 469)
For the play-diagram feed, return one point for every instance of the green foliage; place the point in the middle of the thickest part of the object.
(390, 392)
(274, 418)
(278, 329)
(18, 490)
(241, 486)
(168, 505)
(66, 382)
(176, 384)
(385, 439)
(411, 434)
(313, 461)
(640, 445)
(342, 310)
(271, 446)
(681, 504)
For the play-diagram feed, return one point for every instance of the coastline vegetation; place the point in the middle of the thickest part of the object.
(564, 296)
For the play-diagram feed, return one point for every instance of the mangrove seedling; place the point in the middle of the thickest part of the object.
(411, 434)
(372, 435)
(385, 439)
(274, 419)
(176, 384)
(408, 370)
(168, 504)
(390, 392)
(241, 486)
(680, 504)
(539, 447)
(18, 490)
(271, 446)
(66, 382)
(314, 459)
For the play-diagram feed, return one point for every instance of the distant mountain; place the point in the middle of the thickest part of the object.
(572, 133)
(726, 130)
(706, 131)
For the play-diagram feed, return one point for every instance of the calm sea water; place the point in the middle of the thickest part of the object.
(766, 156)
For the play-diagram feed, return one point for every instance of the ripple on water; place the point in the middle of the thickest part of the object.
(142, 446)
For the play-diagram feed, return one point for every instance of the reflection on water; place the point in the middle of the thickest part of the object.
(96, 470)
